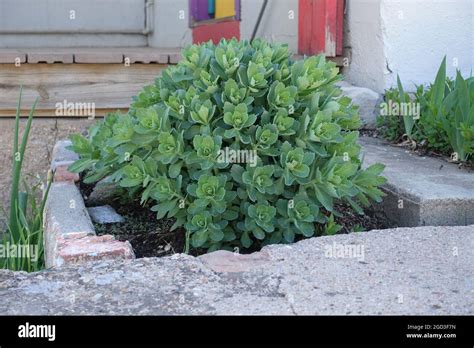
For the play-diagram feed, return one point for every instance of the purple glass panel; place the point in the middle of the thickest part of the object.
(199, 10)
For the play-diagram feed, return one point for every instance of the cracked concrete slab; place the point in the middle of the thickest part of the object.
(406, 271)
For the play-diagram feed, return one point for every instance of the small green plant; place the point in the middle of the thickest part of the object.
(358, 228)
(446, 122)
(240, 144)
(391, 128)
(22, 243)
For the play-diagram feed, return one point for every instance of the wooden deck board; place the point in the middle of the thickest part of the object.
(90, 55)
(50, 57)
(108, 86)
(11, 56)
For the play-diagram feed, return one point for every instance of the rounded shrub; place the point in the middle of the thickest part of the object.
(240, 144)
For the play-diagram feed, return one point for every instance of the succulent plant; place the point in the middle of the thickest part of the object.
(240, 144)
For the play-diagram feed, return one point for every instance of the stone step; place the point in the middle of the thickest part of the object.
(421, 190)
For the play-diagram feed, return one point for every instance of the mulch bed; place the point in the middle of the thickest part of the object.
(150, 237)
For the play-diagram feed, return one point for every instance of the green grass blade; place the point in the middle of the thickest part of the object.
(18, 162)
(27, 131)
(439, 87)
(408, 120)
(463, 97)
(15, 169)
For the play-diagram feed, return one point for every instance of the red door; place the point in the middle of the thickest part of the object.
(321, 27)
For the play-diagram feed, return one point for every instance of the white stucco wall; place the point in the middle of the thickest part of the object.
(279, 22)
(363, 35)
(409, 38)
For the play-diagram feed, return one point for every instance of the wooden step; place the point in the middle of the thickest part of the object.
(108, 86)
(107, 77)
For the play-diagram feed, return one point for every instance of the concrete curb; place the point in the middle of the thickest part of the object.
(62, 158)
(421, 190)
(69, 235)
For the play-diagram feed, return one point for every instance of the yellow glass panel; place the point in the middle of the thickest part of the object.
(225, 8)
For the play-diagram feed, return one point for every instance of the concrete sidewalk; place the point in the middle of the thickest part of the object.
(424, 270)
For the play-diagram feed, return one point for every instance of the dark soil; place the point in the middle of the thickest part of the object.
(150, 237)
(86, 189)
(353, 222)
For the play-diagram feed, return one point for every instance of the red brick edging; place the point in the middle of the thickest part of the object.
(69, 235)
